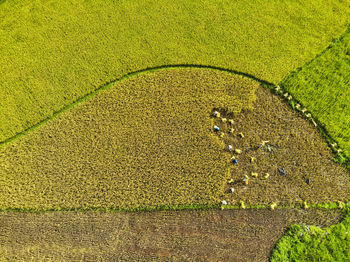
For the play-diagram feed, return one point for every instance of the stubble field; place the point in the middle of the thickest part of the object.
(188, 235)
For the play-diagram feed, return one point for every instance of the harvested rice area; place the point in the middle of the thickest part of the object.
(191, 235)
(145, 142)
(283, 157)
(149, 141)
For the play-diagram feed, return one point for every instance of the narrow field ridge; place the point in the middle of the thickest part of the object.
(111, 83)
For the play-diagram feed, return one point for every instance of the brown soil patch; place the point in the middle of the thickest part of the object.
(212, 235)
(295, 145)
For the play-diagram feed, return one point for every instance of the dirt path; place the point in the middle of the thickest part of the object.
(213, 235)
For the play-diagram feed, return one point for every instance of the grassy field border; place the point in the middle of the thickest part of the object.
(340, 158)
(277, 89)
(334, 41)
(301, 205)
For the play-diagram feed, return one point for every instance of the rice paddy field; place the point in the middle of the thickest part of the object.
(323, 87)
(55, 52)
(147, 141)
(174, 131)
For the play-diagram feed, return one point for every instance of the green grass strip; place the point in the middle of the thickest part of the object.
(325, 206)
(322, 85)
(341, 157)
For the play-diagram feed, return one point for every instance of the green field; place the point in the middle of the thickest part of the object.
(54, 52)
(323, 87)
(311, 243)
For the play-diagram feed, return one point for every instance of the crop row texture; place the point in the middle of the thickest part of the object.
(147, 141)
(323, 86)
(55, 52)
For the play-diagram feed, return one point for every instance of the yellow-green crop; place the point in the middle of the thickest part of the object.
(54, 52)
(323, 86)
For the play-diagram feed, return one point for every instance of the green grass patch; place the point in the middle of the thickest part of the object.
(323, 87)
(147, 141)
(311, 243)
(55, 52)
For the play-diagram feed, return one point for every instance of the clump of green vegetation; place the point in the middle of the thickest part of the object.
(323, 87)
(311, 243)
(148, 141)
(55, 52)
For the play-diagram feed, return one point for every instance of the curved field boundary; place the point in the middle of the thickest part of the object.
(101, 147)
(277, 89)
(242, 206)
(111, 83)
(296, 105)
(76, 35)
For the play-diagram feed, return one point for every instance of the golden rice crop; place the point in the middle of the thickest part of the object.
(147, 141)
